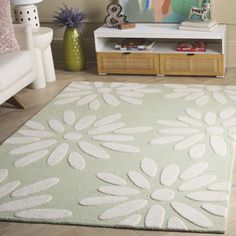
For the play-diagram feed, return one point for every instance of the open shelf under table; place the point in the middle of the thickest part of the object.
(212, 48)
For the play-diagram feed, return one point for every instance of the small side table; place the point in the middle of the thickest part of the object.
(43, 56)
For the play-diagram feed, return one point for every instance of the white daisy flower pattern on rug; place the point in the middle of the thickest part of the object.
(108, 132)
(25, 201)
(201, 94)
(94, 94)
(188, 132)
(190, 184)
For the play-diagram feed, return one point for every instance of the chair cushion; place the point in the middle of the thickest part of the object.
(13, 66)
(8, 40)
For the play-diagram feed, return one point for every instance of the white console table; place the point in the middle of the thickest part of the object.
(162, 59)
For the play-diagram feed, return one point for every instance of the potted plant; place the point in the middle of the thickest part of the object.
(72, 19)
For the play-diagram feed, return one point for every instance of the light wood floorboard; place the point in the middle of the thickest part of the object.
(11, 119)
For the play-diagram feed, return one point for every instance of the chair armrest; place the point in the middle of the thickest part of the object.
(24, 35)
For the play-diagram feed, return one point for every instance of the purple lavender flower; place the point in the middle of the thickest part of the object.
(69, 17)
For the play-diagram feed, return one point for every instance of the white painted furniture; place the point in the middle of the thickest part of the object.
(163, 59)
(18, 68)
(26, 12)
(44, 61)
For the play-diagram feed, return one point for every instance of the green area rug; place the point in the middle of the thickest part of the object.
(124, 155)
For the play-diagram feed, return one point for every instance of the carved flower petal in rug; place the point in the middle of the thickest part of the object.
(22, 199)
(94, 94)
(73, 138)
(192, 129)
(202, 94)
(150, 193)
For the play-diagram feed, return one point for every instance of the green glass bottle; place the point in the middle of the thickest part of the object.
(74, 57)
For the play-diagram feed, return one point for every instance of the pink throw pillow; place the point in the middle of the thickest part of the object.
(8, 40)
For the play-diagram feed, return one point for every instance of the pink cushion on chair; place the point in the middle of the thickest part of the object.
(8, 40)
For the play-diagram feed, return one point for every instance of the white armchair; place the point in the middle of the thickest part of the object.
(17, 69)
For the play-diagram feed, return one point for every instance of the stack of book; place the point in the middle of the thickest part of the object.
(134, 44)
(192, 46)
(206, 26)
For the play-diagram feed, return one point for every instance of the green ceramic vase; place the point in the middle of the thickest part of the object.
(74, 57)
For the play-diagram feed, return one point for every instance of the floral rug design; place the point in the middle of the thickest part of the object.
(58, 136)
(189, 131)
(191, 181)
(129, 155)
(94, 94)
(202, 94)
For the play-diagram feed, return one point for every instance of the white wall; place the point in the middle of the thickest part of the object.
(95, 8)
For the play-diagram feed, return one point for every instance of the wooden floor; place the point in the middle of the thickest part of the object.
(34, 100)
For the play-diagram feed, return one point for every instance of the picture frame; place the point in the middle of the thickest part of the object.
(158, 11)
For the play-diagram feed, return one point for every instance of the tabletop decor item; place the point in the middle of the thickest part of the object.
(199, 25)
(26, 12)
(192, 46)
(86, 159)
(202, 12)
(125, 26)
(72, 19)
(134, 44)
(114, 18)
